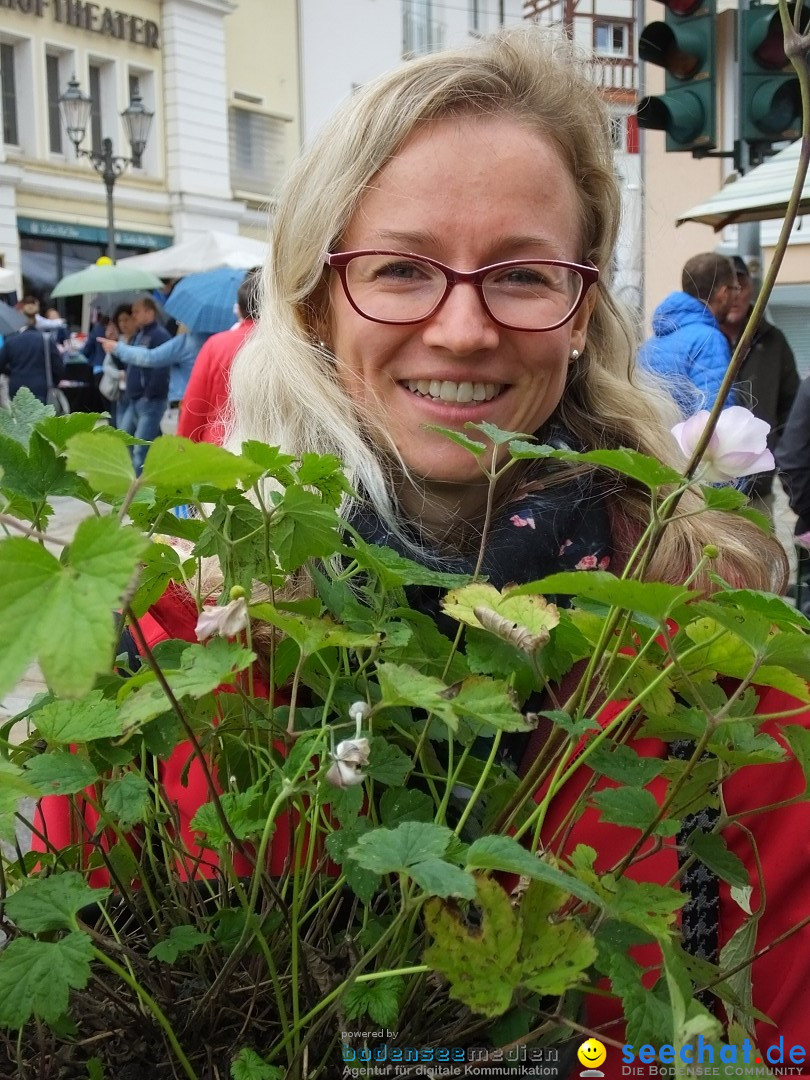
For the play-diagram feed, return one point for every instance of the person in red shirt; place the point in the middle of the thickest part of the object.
(207, 391)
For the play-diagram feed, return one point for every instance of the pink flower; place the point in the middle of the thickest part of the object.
(565, 544)
(520, 522)
(587, 562)
(803, 540)
(604, 562)
(737, 447)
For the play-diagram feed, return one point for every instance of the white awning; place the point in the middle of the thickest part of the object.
(209, 251)
(760, 195)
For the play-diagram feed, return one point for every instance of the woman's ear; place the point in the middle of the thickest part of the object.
(579, 329)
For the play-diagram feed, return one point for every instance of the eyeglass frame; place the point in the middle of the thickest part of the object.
(340, 260)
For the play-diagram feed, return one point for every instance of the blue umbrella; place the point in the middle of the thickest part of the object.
(204, 302)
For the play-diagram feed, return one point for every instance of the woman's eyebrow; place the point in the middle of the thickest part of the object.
(412, 240)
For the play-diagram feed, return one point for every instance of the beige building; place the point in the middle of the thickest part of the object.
(675, 182)
(222, 80)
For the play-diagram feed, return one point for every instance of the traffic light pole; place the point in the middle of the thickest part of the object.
(749, 238)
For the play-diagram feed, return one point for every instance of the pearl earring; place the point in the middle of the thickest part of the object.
(574, 354)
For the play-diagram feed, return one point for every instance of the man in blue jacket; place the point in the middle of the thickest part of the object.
(147, 392)
(688, 349)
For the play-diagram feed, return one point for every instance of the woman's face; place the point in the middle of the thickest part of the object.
(468, 192)
(126, 324)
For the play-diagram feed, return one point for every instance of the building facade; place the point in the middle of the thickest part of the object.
(606, 30)
(222, 81)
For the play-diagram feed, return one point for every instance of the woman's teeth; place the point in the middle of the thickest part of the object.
(463, 392)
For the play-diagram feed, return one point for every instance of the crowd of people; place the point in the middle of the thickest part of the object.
(140, 363)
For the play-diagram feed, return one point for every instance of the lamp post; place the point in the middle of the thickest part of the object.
(75, 109)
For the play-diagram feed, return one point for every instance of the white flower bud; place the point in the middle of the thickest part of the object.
(226, 620)
(359, 711)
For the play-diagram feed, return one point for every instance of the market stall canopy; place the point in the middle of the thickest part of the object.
(760, 195)
(212, 251)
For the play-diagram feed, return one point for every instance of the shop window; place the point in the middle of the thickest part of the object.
(257, 144)
(8, 84)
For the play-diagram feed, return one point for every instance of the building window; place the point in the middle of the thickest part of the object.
(95, 107)
(420, 33)
(611, 39)
(258, 145)
(54, 118)
(134, 86)
(8, 85)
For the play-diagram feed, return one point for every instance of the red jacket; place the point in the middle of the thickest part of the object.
(207, 391)
(782, 839)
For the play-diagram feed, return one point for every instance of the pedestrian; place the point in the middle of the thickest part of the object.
(768, 379)
(53, 322)
(30, 357)
(442, 254)
(793, 461)
(147, 389)
(175, 357)
(113, 384)
(201, 417)
(688, 349)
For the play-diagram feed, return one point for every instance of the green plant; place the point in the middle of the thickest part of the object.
(363, 832)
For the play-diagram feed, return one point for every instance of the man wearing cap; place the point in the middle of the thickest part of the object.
(768, 379)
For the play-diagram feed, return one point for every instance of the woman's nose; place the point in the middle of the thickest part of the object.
(462, 325)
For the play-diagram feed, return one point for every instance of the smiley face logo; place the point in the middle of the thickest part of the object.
(591, 1054)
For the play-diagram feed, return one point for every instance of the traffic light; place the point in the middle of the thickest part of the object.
(770, 96)
(683, 45)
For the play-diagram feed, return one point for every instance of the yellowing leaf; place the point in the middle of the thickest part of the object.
(523, 621)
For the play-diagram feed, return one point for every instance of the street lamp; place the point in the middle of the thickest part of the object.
(75, 109)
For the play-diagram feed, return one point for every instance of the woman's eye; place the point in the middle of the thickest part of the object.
(523, 275)
(401, 271)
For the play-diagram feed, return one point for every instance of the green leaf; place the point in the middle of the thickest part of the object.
(38, 593)
(36, 977)
(159, 565)
(103, 461)
(634, 808)
(313, 634)
(479, 962)
(202, 669)
(303, 527)
(401, 684)
(177, 464)
(652, 598)
(243, 812)
(324, 472)
(387, 764)
(711, 849)
(60, 429)
(393, 570)
(508, 855)
(60, 773)
(647, 470)
(92, 717)
(378, 999)
(440, 878)
(740, 949)
(405, 804)
(649, 1017)
(799, 739)
(181, 939)
(247, 1065)
(473, 445)
(495, 434)
(24, 411)
(723, 498)
(51, 903)
(128, 799)
(364, 883)
(625, 766)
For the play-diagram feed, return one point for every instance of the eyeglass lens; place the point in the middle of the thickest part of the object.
(406, 289)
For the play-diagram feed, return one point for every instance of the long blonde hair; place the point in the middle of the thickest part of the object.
(283, 385)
